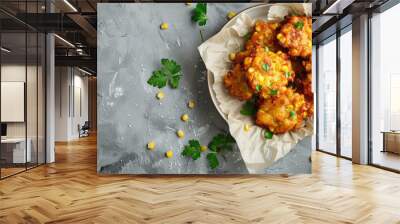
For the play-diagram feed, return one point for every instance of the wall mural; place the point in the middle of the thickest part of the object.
(206, 88)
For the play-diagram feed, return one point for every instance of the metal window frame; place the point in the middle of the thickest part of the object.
(388, 5)
(338, 34)
(44, 74)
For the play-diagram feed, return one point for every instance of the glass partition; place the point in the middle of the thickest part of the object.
(13, 113)
(23, 89)
(385, 89)
(32, 95)
(346, 92)
(327, 96)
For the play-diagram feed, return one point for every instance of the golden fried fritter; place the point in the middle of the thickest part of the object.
(281, 82)
(307, 64)
(236, 83)
(303, 85)
(264, 36)
(296, 36)
(308, 94)
(268, 72)
(282, 113)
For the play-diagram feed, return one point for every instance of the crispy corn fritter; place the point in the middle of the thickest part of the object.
(296, 36)
(236, 83)
(307, 64)
(264, 36)
(267, 72)
(275, 68)
(282, 113)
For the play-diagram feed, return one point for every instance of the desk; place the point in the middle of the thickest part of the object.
(391, 141)
(13, 150)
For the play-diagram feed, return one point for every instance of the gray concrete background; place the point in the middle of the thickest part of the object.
(130, 47)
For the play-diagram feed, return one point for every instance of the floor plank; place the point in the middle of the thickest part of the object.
(70, 191)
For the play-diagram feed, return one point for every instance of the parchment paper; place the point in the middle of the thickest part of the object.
(258, 153)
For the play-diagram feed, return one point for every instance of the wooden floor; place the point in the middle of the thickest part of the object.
(387, 159)
(70, 191)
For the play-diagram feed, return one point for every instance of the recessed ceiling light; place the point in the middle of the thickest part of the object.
(84, 71)
(337, 7)
(70, 5)
(5, 50)
(64, 40)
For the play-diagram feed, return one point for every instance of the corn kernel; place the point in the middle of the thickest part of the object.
(164, 26)
(203, 148)
(285, 68)
(231, 14)
(180, 134)
(247, 61)
(191, 104)
(232, 56)
(251, 69)
(169, 154)
(160, 95)
(279, 36)
(246, 127)
(151, 145)
(185, 117)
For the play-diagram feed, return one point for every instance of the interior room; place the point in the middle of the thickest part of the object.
(55, 92)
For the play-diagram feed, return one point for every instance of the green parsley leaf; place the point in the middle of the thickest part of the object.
(287, 74)
(212, 160)
(170, 73)
(299, 25)
(192, 149)
(200, 14)
(292, 113)
(247, 36)
(158, 79)
(249, 108)
(268, 134)
(265, 67)
(273, 92)
(258, 88)
(221, 142)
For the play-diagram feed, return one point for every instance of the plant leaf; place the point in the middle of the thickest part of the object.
(212, 160)
(249, 108)
(158, 79)
(200, 14)
(170, 73)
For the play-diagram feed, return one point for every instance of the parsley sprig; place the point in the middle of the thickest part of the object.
(299, 25)
(170, 73)
(192, 149)
(219, 143)
(200, 14)
(250, 107)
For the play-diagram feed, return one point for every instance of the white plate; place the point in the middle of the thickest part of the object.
(255, 12)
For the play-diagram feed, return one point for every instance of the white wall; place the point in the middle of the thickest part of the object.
(70, 83)
(34, 126)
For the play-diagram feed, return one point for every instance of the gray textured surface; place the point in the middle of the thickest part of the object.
(130, 46)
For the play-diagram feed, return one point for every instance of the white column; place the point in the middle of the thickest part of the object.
(50, 100)
(50, 92)
(360, 90)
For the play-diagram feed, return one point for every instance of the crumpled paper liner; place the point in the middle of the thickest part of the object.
(258, 153)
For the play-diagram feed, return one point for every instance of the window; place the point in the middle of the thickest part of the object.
(385, 89)
(22, 77)
(346, 95)
(327, 96)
